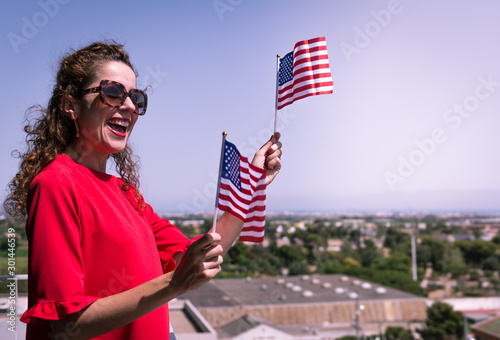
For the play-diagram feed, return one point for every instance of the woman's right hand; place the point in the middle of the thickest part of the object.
(198, 265)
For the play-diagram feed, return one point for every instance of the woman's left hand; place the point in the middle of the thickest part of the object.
(269, 157)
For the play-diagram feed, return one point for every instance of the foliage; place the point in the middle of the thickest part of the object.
(396, 262)
(398, 333)
(491, 263)
(477, 251)
(442, 322)
(350, 262)
(433, 252)
(453, 262)
(394, 237)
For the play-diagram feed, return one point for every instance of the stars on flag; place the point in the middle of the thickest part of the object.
(242, 193)
(231, 167)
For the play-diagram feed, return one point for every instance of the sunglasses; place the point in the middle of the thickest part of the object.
(114, 94)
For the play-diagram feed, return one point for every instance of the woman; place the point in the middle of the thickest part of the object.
(102, 263)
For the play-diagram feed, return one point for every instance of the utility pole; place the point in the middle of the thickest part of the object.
(414, 254)
(414, 251)
(359, 308)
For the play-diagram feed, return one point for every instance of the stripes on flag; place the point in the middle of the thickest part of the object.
(243, 193)
(304, 72)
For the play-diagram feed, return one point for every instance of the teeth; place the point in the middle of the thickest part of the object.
(120, 122)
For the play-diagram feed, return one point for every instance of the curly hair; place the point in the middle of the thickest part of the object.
(52, 130)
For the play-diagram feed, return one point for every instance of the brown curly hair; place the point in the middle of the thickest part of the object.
(51, 132)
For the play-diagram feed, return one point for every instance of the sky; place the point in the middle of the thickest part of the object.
(412, 124)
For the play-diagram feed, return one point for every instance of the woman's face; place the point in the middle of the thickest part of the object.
(106, 129)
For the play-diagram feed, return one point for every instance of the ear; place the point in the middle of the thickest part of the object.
(68, 105)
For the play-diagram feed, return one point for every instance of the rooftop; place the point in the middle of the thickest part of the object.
(315, 289)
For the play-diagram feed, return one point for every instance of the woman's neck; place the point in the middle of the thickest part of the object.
(86, 157)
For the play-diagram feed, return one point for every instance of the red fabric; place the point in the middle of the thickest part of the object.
(88, 239)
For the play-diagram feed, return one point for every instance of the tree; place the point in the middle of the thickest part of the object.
(453, 262)
(496, 240)
(424, 255)
(369, 254)
(398, 333)
(476, 252)
(397, 261)
(443, 323)
(437, 250)
(290, 254)
(491, 263)
(241, 256)
(350, 262)
(394, 237)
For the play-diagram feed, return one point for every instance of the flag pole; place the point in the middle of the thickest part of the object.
(276, 98)
(224, 134)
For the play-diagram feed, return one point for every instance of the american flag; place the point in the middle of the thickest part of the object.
(304, 72)
(243, 193)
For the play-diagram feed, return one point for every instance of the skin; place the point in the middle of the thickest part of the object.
(97, 140)
(203, 258)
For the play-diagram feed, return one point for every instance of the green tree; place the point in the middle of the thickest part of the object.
(491, 263)
(350, 262)
(369, 254)
(290, 254)
(437, 250)
(476, 252)
(241, 256)
(396, 261)
(398, 333)
(496, 240)
(424, 255)
(394, 237)
(454, 262)
(443, 323)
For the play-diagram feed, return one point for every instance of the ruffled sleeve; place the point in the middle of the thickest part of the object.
(57, 310)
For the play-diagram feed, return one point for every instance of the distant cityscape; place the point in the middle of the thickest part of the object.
(395, 265)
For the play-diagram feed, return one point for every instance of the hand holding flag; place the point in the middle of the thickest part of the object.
(268, 157)
(242, 186)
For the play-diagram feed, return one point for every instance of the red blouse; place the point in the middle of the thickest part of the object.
(89, 239)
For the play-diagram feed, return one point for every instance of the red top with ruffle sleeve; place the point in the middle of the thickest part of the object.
(88, 239)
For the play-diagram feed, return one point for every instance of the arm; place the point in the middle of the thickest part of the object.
(268, 157)
(199, 264)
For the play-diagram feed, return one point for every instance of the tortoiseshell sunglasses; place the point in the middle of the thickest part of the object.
(114, 94)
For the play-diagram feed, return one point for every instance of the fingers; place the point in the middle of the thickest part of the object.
(274, 162)
(199, 264)
(274, 153)
(274, 138)
(206, 240)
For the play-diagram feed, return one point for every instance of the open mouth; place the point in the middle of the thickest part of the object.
(118, 126)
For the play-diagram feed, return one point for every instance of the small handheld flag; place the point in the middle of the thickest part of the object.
(303, 72)
(242, 192)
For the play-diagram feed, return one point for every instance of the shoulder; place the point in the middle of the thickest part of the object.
(57, 173)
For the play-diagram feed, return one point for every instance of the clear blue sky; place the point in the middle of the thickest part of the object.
(413, 123)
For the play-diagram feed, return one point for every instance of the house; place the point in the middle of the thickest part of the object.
(487, 330)
(327, 304)
(249, 327)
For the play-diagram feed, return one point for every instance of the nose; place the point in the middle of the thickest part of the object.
(128, 105)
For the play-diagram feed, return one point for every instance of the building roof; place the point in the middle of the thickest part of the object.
(315, 289)
(489, 329)
(186, 321)
(469, 305)
(243, 325)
